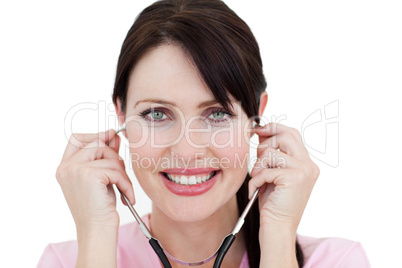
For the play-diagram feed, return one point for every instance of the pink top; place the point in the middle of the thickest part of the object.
(324, 252)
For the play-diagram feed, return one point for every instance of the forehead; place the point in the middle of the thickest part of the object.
(167, 72)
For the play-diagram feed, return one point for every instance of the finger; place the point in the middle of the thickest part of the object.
(114, 143)
(119, 178)
(285, 142)
(108, 163)
(273, 129)
(94, 151)
(122, 200)
(78, 141)
(272, 158)
(267, 176)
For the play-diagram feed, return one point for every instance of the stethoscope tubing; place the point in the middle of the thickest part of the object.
(223, 249)
(159, 251)
(221, 252)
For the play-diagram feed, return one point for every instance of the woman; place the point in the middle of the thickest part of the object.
(189, 88)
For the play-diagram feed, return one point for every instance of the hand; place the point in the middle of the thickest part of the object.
(89, 167)
(287, 176)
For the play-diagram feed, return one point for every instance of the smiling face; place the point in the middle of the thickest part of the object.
(188, 153)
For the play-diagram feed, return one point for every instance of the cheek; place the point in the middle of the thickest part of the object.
(144, 156)
(141, 135)
(223, 138)
(143, 161)
(232, 147)
(236, 158)
(163, 137)
(230, 136)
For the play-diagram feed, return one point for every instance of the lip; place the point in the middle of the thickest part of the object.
(189, 190)
(186, 171)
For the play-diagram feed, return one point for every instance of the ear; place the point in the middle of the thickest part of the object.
(261, 108)
(263, 103)
(120, 114)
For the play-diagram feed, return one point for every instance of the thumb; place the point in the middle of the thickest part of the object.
(114, 143)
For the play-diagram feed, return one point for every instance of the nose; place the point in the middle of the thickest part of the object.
(195, 140)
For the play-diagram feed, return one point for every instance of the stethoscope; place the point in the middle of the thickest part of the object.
(220, 253)
(162, 253)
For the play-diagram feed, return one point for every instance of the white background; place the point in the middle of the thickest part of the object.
(56, 55)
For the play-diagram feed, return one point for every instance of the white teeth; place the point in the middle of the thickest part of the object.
(183, 180)
(192, 180)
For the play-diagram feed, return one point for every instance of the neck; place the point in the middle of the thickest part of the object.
(196, 241)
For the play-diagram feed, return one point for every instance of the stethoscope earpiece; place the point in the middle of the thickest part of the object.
(122, 129)
(256, 125)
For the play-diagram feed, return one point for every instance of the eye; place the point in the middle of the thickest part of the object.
(219, 115)
(154, 114)
(157, 115)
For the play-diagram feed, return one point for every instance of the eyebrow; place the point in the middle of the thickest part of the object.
(161, 101)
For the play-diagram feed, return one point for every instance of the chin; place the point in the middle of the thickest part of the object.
(187, 209)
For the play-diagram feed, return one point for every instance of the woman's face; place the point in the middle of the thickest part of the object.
(188, 153)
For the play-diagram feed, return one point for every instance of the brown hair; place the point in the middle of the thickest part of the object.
(227, 56)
